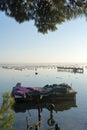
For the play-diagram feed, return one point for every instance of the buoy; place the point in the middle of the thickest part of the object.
(36, 73)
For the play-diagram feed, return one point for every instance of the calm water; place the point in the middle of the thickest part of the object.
(72, 118)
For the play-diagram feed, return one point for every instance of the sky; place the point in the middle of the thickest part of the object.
(21, 43)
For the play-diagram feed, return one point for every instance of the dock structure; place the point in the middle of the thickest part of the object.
(71, 69)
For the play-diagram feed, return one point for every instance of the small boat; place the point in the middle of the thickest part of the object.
(48, 92)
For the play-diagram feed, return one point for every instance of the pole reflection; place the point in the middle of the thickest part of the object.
(39, 106)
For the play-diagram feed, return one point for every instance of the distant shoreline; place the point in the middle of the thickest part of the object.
(49, 63)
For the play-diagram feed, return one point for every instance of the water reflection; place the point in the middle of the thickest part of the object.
(51, 107)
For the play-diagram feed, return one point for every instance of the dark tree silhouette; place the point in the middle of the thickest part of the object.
(47, 14)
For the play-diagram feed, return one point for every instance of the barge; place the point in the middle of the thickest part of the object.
(54, 92)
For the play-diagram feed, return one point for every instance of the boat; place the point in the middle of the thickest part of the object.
(52, 92)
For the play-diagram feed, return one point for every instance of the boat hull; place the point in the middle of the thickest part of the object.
(50, 97)
(48, 92)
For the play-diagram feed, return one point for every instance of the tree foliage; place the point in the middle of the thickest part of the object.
(46, 14)
(6, 113)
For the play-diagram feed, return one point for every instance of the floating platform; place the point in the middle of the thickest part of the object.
(57, 92)
(71, 69)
